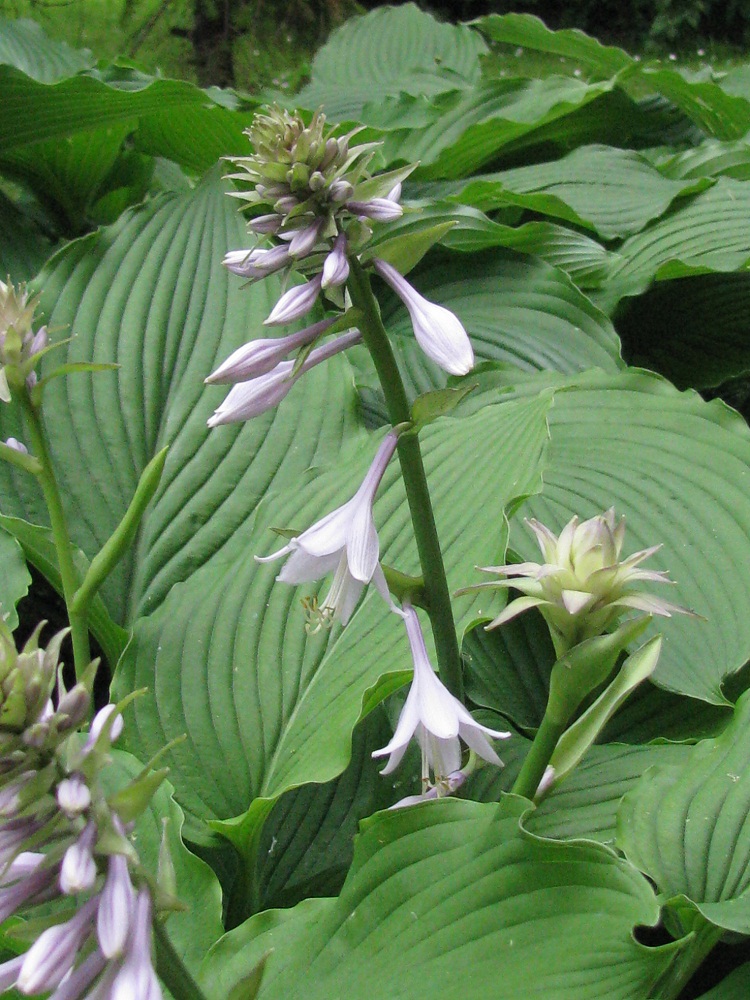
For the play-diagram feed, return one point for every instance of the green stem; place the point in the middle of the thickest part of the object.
(171, 968)
(686, 962)
(538, 757)
(46, 476)
(415, 482)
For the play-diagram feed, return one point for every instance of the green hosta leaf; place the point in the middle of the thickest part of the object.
(586, 803)
(447, 898)
(179, 120)
(15, 578)
(515, 310)
(704, 234)
(677, 468)
(151, 294)
(39, 549)
(710, 159)
(24, 246)
(529, 32)
(307, 842)
(193, 931)
(475, 125)
(69, 176)
(24, 45)
(213, 651)
(685, 826)
(692, 330)
(615, 192)
(390, 51)
(718, 113)
(734, 987)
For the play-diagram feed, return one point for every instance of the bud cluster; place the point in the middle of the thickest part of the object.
(19, 345)
(63, 841)
(317, 195)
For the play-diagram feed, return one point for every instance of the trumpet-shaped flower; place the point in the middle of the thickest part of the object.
(344, 542)
(437, 720)
(251, 398)
(583, 586)
(295, 303)
(439, 332)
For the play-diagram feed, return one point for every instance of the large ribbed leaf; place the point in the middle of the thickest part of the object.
(529, 32)
(706, 233)
(615, 192)
(24, 45)
(516, 309)
(686, 825)
(32, 111)
(454, 898)
(734, 987)
(678, 468)
(151, 294)
(390, 51)
(15, 578)
(692, 330)
(267, 707)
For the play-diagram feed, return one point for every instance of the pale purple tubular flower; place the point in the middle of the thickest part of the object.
(98, 723)
(303, 240)
(17, 445)
(78, 869)
(256, 264)
(344, 542)
(379, 209)
(54, 952)
(73, 795)
(258, 357)
(72, 988)
(436, 719)
(136, 978)
(447, 786)
(250, 399)
(439, 332)
(23, 881)
(9, 972)
(264, 224)
(115, 912)
(336, 265)
(295, 303)
(395, 193)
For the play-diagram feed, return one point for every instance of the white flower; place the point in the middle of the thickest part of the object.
(436, 719)
(344, 542)
(52, 955)
(251, 398)
(379, 209)
(136, 978)
(439, 332)
(583, 586)
(336, 265)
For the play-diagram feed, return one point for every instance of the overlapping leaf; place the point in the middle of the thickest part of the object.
(686, 826)
(15, 579)
(446, 889)
(389, 51)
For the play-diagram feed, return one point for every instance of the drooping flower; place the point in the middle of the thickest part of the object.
(344, 542)
(251, 398)
(583, 586)
(438, 331)
(437, 720)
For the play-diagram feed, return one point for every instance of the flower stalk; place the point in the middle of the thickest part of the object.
(79, 632)
(438, 602)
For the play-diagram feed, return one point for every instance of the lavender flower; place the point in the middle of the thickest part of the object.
(19, 345)
(344, 542)
(437, 720)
